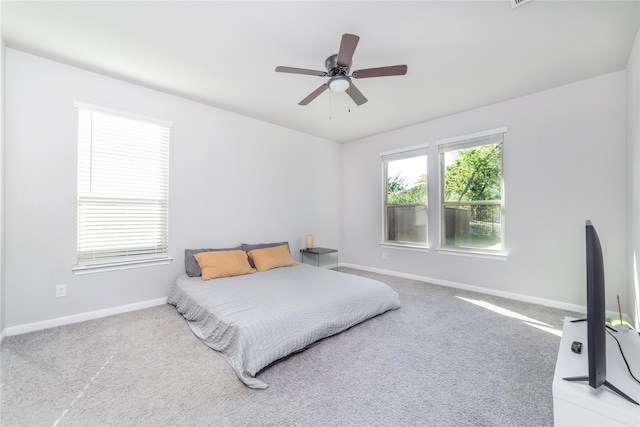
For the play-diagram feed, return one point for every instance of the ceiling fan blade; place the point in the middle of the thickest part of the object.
(293, 70)
(356, 95)
(394, 70)
(347, 47)
(313, 95)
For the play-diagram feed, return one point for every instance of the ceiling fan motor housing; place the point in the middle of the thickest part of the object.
(333, 69)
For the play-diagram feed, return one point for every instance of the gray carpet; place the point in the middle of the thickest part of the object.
(438, 360)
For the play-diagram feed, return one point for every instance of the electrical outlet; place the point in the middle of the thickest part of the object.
(384, 255)
(61, 291)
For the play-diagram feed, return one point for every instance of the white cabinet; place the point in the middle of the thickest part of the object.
(577, 403)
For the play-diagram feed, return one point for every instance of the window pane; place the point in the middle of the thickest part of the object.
(477, 226)
(406, 199)
(406, 224)
(123, 188)
(473, 174)
(407, 181)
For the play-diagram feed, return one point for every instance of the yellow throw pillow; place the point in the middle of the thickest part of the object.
(274, 257)
(223, 264)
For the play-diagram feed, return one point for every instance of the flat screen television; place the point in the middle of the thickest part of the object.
(596, 316)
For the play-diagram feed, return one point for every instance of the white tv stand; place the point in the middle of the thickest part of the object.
(577, 403)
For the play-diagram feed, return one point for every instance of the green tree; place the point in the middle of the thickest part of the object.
(395, 184)
(398, 192)
(474, 174)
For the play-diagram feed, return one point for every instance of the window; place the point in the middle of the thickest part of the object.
(472, 196)
(123, 189)
(405, 196)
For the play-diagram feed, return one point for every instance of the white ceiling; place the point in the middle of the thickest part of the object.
(461, 55)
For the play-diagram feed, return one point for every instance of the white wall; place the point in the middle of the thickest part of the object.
(633, 182)
(232, 180)
(236, 179)
(564, 157)
(2, 204)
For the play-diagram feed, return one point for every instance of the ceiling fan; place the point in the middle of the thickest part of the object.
(338, 67)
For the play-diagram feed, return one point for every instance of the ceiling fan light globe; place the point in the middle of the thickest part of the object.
(339, 84)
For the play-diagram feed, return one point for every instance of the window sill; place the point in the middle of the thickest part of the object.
(474, 254)
(404, 247)
(88, 269)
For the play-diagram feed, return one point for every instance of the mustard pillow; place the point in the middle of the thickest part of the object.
(223, 264)
(274, 257)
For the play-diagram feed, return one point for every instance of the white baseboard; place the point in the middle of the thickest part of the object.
(67, 320)
(45, 324)
(488, 291)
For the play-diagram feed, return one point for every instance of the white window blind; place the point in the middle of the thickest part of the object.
(495, 136)
(406, 153)
(123, 189)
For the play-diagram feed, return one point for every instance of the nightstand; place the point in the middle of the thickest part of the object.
(313, 256)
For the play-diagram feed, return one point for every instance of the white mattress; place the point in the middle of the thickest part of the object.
(256, 319)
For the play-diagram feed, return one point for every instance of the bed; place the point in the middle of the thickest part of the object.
(255, 319)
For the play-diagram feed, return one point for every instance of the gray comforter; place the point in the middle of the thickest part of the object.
(256, 319)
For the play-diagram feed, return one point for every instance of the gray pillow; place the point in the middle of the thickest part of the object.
(247, 247)
(191, 265)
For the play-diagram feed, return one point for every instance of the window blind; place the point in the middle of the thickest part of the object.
(495, 136)
(123, 189)
(404, 153)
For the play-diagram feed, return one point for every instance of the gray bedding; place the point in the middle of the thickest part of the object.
(256, 319)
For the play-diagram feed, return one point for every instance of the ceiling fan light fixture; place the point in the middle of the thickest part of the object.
(339, 83)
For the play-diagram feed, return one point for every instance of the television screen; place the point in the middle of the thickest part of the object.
(596, 317)
(596, 313)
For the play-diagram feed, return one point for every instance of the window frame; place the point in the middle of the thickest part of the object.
(123, 257)
(400, 154)
(458, 143)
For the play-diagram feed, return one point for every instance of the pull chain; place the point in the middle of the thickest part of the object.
(331, 103)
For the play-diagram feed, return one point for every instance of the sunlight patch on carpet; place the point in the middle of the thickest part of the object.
(508, 313)
(84, 389)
